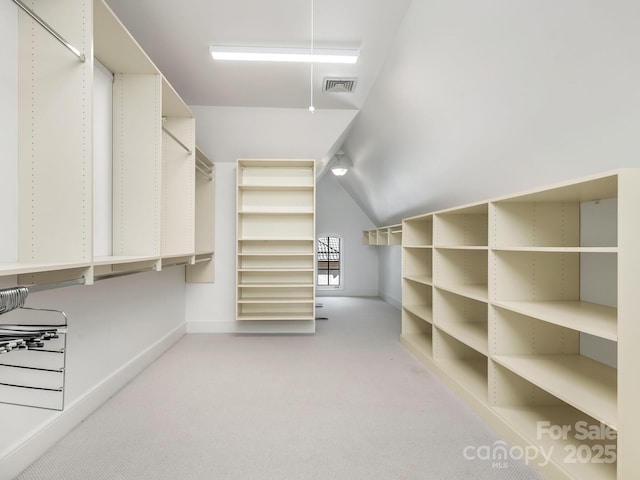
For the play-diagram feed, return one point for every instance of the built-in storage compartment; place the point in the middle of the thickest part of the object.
(417, 285)
(139, 206)
(153, 155)
(418, 299)
(563, 439)
(463, 318)
(462, 362)
(203, 268)
(390, 235)
(276, 240)
(534, 307)
(146, 135)
(49, 173)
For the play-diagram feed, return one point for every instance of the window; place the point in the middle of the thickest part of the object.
(329, 258)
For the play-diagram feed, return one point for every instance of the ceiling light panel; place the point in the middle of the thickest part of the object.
(284, 54)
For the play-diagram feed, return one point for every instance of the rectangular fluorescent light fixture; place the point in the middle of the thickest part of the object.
(283, 54)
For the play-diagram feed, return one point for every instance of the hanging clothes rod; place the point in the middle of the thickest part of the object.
(106, 276)
(202, 260)
(49, 29)
(177, 140)
(14, 297)
(203, 172)
(49, 286)
(204, 164)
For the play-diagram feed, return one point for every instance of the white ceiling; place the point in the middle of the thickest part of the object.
(177, 35)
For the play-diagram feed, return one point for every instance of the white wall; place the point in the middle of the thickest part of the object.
(337, 213)
(390, 274)
(479, 99)
(116, 328)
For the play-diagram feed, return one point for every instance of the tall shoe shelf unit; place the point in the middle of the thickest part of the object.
(276, 240)
(516, 301)
(154, 175)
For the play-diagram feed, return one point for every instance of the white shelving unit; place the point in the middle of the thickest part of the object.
(276, 240)
(202, 271)
(154, 184)
(506, 299)
(390, 235)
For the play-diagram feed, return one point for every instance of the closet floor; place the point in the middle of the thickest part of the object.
(347, 403)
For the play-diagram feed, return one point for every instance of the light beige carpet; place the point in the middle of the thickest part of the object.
(348, 403)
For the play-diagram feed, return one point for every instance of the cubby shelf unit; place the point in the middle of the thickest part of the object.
(390, 235)
(275, 240)
(526, 306)
(155, 195)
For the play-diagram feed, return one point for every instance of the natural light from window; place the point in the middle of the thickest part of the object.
(329, 258)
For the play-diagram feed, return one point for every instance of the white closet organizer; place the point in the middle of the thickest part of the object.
(276, 240)
(202, 271)
(155, 184)
(515, 302)
(390, 235)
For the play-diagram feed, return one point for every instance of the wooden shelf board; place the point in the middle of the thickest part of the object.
(424, 279)
(557, 249)
(275, 316)
(276, 270)
(123, 259)
(597, 187)
(272, 254)
(275, 211)
(588, 385)
(472, 334)
(591, 318)
(276, 285)
(288, 188)
(524, 419)
(418, 343)
(259, 300)
(424, 312)
(276, 239)
(475, 292)
(115, 47)
(471, 375)
(273, 164)
(417, 246)
(461, 247)
(22, 268)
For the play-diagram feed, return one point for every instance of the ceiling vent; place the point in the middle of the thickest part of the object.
(339, 85)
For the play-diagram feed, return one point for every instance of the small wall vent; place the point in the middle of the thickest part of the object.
(339, 85)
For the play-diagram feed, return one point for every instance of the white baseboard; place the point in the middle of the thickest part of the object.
(257, 327)
(33, 447)
(391, 300)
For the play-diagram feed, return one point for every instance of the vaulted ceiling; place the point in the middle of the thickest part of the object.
(177, 35)
(456, 100)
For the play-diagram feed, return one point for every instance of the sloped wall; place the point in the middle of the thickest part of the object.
(479, 99)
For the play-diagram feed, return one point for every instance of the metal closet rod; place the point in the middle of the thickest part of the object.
(203, 172)
(177, 140)
(81, 281)
(208, 168)
(49, 29)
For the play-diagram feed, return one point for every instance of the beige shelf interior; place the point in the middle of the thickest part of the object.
(276, 240)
